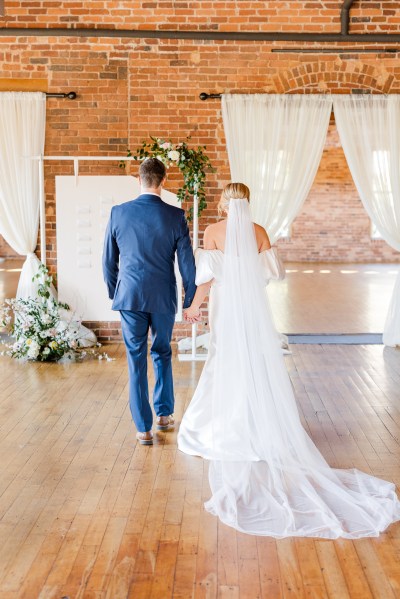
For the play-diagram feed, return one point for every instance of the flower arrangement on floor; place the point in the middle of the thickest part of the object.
(37, 326)
(192, 162)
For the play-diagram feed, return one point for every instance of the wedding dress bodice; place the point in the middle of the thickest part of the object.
(210, 265)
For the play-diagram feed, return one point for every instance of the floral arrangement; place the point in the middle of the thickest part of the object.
(192, 162)
(37, 327)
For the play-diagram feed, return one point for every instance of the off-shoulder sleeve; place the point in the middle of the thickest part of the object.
(204, 272)
(272, 265)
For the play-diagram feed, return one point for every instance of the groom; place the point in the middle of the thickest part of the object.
(138, 266)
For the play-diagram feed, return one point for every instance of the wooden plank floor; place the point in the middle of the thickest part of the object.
(86, 513)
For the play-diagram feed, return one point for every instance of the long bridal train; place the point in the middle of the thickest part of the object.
(266, 475)
(280, 500)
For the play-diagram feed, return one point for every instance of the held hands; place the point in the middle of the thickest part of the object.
(192, 314)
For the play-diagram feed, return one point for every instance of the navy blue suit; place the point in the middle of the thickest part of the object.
(140, 243)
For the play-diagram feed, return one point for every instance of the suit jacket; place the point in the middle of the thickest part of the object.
(141, 239)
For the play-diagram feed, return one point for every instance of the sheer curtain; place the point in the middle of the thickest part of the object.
(22, 131)
(369, 132)
(275, 143)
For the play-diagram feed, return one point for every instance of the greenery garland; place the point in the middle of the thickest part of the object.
(192, 162)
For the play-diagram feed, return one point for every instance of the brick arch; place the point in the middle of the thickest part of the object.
(334, 75)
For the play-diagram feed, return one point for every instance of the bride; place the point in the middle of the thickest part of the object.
(266, 475)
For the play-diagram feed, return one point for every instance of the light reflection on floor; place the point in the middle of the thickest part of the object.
(333, 298)
(10, 269)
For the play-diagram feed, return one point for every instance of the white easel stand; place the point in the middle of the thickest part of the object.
(194, 341)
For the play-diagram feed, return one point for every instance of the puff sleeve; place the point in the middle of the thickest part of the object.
(204, 272)
(272, 265)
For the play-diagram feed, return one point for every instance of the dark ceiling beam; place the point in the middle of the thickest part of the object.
(257, 36)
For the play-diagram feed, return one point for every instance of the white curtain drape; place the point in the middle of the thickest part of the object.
(22, 132)
(369, 129)
(275, 143)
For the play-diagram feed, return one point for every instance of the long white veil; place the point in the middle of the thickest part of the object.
(267, 477)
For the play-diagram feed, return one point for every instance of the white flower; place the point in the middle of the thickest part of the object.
(165, 146)
(46, 351)
(34, 349)
(174, 155)
(46, 318)
(33, 353)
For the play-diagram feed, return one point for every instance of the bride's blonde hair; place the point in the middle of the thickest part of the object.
(232, 191)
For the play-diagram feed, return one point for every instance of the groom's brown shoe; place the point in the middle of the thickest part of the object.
(165, 422)
(145, 438)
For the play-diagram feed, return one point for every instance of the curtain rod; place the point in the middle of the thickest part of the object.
(354, 92)
(336, 50)
(69, 95)
(80, 158)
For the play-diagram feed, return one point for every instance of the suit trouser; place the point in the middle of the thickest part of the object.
(135, 330)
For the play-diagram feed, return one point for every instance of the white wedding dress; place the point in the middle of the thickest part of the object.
(266, 475)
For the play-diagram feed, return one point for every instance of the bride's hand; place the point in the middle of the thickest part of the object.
(192, 314)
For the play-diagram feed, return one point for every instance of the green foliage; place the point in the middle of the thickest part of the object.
(40, 331)
(192, 162)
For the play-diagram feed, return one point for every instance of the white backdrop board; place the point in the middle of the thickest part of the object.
(83, 206)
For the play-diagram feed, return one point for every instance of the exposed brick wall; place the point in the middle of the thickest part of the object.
(129, 89)
(221, 15)
(333, 225)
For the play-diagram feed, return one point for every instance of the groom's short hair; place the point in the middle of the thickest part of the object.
(152, 171)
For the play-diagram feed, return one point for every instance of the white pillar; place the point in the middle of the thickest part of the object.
(195, 246)
(42, 211)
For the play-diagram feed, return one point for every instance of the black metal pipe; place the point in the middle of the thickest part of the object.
(69, 95)
(345, 17)
(336, 50)
(257, 36)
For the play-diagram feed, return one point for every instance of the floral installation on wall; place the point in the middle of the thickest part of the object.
(40, 330)
(192, 163)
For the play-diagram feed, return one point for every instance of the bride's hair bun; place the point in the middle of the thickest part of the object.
(233, 191)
